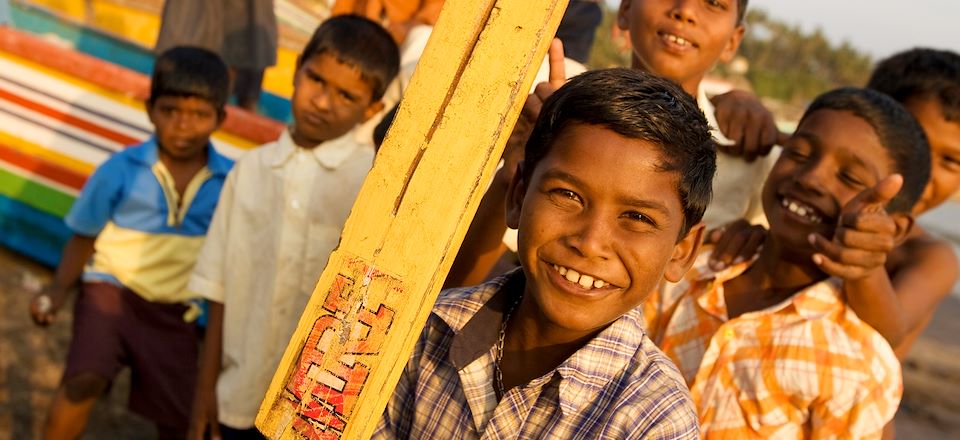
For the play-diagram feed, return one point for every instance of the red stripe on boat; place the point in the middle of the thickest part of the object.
(41, 167)
(82, 124)
(112, 77)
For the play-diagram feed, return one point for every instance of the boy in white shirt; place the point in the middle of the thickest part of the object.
(280, 215)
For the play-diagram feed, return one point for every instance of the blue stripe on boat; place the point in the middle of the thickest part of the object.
(32, 232)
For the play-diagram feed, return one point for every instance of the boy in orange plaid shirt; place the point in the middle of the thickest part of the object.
(769, 347)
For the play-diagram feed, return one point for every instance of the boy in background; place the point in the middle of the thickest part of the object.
(923, 269)
(280, 216)
(139, 222)
(682, 40)
(770, 347)
(608, 200)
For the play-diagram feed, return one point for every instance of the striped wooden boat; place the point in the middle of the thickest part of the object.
(124, 32)
(62, 113)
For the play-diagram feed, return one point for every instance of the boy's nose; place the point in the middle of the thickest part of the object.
(322, 100)
(181, 121)
(591, 238)
(683, 11)
(812, 178)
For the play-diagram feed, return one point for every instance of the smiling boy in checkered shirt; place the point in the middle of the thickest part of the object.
(770, 347)
(608, 201)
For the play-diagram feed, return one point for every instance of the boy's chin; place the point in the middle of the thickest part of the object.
(574, 319)
(580, 312)
(314, 135)
(925, 204)
(182, 154)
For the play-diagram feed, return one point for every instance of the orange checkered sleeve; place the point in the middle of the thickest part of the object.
(681, 318)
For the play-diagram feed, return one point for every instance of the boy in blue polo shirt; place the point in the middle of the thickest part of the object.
(138, 226)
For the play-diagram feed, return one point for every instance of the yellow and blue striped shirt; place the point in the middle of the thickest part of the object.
(148, 235)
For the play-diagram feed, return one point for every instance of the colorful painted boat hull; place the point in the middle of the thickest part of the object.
(62, 113)
(123, 32)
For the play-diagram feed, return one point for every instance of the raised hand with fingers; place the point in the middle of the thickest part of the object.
(865, 234)
(513, 152)
(483, 244)
(555, 79)
(743, 119)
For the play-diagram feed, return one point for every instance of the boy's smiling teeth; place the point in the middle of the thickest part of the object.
(585, 281)
(676, 39)
(801, 209)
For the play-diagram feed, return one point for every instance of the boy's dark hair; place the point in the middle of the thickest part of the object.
(898, 131)
(741, 10)
(361, 43)
(185, 71)
(636, 105)
(921, 73)
(380, 131)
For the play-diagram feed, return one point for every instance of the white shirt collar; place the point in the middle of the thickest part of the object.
(331, 154)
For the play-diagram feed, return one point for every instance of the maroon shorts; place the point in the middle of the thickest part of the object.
(114, 327)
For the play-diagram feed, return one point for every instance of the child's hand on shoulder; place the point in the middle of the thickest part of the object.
(865, 234)
(734, 243)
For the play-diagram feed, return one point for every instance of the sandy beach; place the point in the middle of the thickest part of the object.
(31, 361)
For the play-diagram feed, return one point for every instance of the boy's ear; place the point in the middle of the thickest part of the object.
(515, 193)
(372, 110)
(221, 116)
(296, 67)
(730, 49)
(148, 106)
(904, 222)
(622, 21)
(685, 253)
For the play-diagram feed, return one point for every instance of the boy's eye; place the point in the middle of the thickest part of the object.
(638, 217)
(312, 76)
(347, 97)
(717, 4)
(562, 195)
(795, 153)
(951, 163)
(850, 179)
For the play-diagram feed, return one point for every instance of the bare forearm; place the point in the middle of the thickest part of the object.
(203, 418)
(212, 348)
(483, 243)
(76, 253)
(429, 12)
(877, 304)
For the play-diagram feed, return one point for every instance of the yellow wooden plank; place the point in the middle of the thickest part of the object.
(412, 213)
